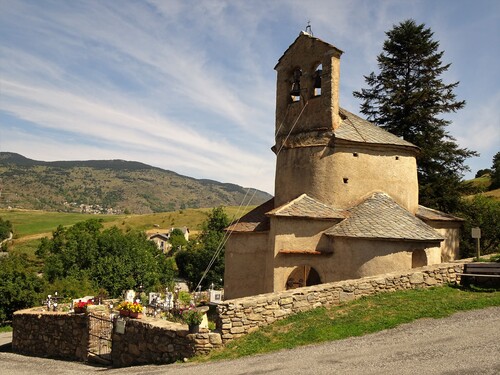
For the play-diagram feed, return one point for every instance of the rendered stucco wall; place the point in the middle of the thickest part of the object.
(320, 173)
(300, 234)
(450, 247)
(248, 265)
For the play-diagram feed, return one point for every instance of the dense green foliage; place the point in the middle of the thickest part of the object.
(19, 286)
(107, 259)
(207, 250)
(407, 98)
(5, 229)
(482, 172)
(482, 212)
(495, 172)
(177, 240)
(360, 317)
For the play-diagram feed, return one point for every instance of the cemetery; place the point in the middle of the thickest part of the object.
(163, 328)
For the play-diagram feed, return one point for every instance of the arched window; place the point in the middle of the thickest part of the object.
(295, 90)
(303, 276)
(317, 80)
(418, 258)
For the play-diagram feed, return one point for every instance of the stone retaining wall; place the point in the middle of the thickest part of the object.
(159, 342)
(62, 335)
(50, 334)
(241, 316)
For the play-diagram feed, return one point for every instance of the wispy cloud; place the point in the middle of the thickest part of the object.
(186, 85)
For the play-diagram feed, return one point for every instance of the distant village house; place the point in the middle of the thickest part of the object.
(162, 240)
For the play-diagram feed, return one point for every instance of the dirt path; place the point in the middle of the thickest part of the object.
(465, 343)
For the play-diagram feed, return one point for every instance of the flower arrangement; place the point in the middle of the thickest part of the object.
(132, 309)
(135, 307)
(124, 306)
(82, 304)
(192, 316)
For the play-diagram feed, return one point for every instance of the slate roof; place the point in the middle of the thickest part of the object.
(305, 206)
(163, 236)
(355, 129)
(379, 217)
(254, 221)
(426, 213)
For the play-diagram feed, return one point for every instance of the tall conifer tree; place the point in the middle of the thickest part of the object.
(407, 98)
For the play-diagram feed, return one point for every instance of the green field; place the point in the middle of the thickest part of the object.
(31, 222)
(26, 222)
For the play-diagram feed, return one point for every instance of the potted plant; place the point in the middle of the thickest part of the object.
(135, 310)
(193, 318)
(81, 306)
(124, 308)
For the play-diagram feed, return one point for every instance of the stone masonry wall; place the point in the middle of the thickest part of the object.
(50, 334)
(244, 315)
(159, 342)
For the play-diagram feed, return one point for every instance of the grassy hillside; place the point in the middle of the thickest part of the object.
(30, 223)
(100, 185)
(480, 185)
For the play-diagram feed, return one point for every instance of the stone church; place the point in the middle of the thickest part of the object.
(346, 192)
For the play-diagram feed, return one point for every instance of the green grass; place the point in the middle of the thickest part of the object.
(356, 318)
(28, 222)
(5, 329)
(482, 182)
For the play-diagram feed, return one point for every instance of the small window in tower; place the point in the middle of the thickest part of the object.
(397, 157)
(346, 180)
(295, 91)
(317, 80)
(355, 154)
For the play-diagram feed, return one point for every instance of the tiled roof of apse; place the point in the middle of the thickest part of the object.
(426, 213)
(379, 217)
(305, 206)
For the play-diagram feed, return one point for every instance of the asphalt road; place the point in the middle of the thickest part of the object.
(465, 343)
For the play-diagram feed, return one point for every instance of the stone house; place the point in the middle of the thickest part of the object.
(162, 240)
(346, 192)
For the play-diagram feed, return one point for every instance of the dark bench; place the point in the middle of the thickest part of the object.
(487, 271)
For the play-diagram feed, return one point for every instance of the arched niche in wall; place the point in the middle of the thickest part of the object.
(418, 258)
(295, 89)
(317, 80)
(302, 276)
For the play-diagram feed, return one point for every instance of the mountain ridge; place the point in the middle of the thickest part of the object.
(108, 186)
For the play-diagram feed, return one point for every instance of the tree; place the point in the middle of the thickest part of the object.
(208, 247)
(495, 172)
(109, 259)
(407, 98)
(5, 229)
(482, 172)
(20, 287)
(177, 240)
(482, 212)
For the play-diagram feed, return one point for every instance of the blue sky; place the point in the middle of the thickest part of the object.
(189, 86)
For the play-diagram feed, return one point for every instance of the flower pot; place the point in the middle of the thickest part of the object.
(136, 315)
(79, 310)
(124, 312)
(194, 328)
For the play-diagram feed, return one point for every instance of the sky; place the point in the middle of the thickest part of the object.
(189, 85)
